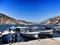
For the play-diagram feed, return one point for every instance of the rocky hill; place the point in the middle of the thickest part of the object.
(54, 20)
(4, 19)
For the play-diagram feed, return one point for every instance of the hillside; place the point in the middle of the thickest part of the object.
(54, 20)
(4, 19)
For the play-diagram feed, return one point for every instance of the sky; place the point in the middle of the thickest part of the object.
(30, 10)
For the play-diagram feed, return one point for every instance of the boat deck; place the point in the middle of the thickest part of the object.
(38, 32)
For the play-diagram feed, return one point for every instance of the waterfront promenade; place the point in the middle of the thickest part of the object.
(49, 41)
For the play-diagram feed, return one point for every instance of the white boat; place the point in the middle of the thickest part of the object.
(32, 33)
(7, 35)
(25, 31)
(7, 32)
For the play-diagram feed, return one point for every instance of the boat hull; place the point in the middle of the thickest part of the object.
(31, 34)
(7, 38)
(27, 38)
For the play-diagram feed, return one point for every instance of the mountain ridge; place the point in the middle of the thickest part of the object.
(4, 19)
(53, 20)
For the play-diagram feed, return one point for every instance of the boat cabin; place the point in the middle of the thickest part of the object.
(21, 29)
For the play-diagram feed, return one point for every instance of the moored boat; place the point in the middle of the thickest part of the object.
(26, 32)
(7, 36)
(33, 33)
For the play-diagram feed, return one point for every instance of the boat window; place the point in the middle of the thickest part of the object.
(46, 28)
(25, 30)
(21, 30)
(33, 30)
(17, 30)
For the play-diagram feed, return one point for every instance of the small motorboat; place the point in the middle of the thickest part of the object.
(26, 32)
(32, 33)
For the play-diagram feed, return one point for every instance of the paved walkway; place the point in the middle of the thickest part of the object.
(52, 41)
